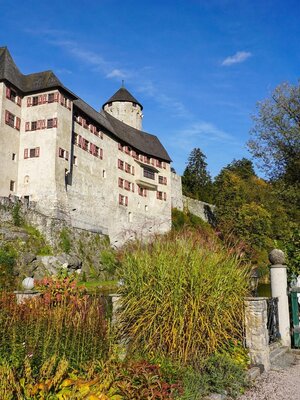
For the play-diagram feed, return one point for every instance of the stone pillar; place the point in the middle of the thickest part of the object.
(257, 336)
(279, 288)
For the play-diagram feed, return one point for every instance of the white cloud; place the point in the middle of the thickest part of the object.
(237, 58)
(201, 132)
(116, 73)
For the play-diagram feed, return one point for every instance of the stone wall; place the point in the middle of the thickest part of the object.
(176, 191)
(199, 208)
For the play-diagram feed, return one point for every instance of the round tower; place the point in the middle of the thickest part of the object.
(123, 106)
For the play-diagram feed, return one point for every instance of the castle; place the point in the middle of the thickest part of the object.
(96, 170)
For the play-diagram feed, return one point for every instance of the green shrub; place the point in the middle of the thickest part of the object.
(7, 262)
(182, 220)
(187, 291)
(16, 215)
(65, 241)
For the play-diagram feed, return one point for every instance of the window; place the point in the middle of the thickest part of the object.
(161, 196)
(104, 174)
(50, 97)
(34, 125)
(127, 185)
(149, 173)
(13, 156)
(123, 200)
(158, 163)
(127, 168)
(10, 119)
(133, 104)
(62, 153)
(162, 180)
(35, 100)
(121, 164)
(142, 191)
(49, 123)
(12, 186)
(109, 104)
(13, 96)
(121, 182)
(75, 160)
(147, 159)
(32, 153)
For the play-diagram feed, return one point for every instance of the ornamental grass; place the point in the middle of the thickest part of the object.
(62, 326)
(182, 297)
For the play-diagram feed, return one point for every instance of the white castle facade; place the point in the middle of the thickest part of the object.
(96, 170)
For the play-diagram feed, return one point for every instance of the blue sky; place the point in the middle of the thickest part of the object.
(197, 66)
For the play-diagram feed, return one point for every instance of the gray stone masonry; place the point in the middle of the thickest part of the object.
(257, 336)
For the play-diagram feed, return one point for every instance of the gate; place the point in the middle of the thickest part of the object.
(273, 322)
(295, 328)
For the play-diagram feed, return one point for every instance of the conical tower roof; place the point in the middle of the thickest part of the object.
(122, 95)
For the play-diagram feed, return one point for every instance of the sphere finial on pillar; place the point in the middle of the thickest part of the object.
(276, 256)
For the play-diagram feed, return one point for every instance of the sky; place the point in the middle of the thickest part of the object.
(199, 67)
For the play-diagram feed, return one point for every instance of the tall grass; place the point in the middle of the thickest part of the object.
(182, 297)
(39, 330)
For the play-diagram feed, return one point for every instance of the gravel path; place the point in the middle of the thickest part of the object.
(281, 383)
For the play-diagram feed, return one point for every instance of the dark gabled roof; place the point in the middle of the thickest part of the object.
(141, 141)
(27, 83)
(122, 95)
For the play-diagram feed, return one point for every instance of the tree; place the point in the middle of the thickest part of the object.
(275, 141)
(196, 180)
(243, 168)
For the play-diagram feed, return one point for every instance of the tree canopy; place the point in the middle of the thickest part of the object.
(196, 180)
(275, 141)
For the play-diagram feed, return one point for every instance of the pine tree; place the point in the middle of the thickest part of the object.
(196, 180)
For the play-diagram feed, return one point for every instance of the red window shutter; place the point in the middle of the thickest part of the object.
(54, 122)
(8, 92)
(120, 199)
(165, 196)
(38, 124)
(6, 116)
(18, 123)
(25, 153)
(157, 163)
(44, 98)
(91, 128)
(43, 124)
(101, 154)
(37, 151)
(40, 99)
(19, 101)
(126, 201)
(92, 148)
(120, 183)
(119, 163)
(56, 96)
(29, 101)
(27, 126)
(67, 155)
(132, 187)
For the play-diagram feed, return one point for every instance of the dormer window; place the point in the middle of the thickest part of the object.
(35, 100)
(109, 104)
(133, 104)
(149, 173)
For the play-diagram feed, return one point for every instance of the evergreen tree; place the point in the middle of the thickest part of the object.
(196, 180)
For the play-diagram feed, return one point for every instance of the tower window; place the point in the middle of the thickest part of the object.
(109, 104)
(13, 156)
(12, 186)
(133, 104)
(149, 173)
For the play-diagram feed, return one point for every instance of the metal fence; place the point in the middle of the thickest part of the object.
(273, 325)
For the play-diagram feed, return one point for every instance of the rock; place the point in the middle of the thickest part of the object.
(70, 260)
(27, 258)
(276, 256)
(7, 234)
